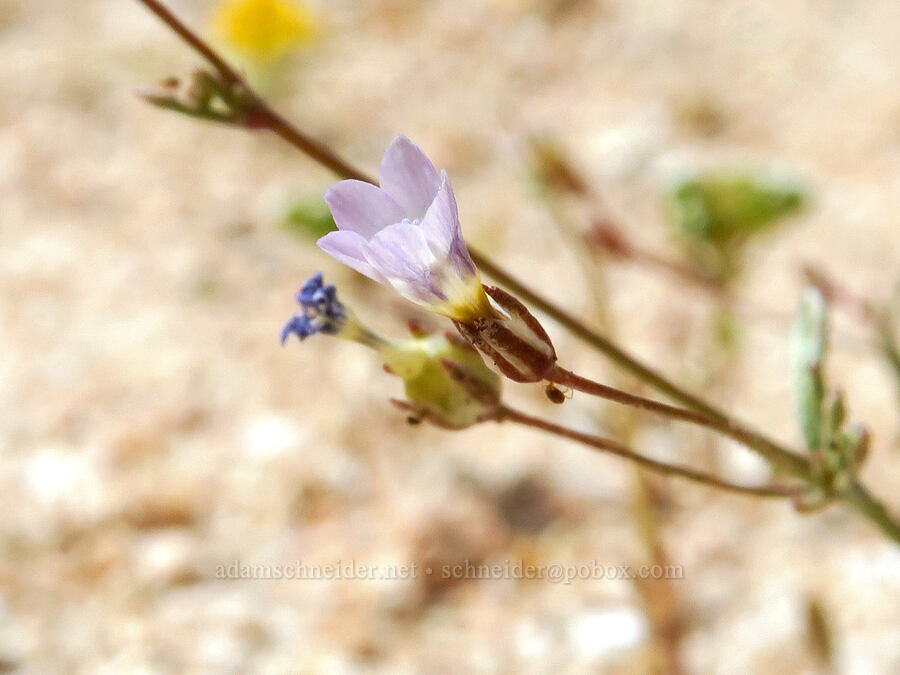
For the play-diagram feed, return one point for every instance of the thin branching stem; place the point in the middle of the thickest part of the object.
(567, 378)
(615, 448)
(262, 115)
(787, 461)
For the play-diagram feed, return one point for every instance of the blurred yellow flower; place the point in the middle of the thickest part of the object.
(266, 30)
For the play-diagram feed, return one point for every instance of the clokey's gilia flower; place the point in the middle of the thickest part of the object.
(446, 381)
(406, 234)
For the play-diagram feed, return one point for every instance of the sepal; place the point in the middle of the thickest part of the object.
(511, 337)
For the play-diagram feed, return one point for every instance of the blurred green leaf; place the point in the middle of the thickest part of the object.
(808, 353)
(722, 206)
(309, 217)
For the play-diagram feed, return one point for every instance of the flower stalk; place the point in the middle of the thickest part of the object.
(506, 414)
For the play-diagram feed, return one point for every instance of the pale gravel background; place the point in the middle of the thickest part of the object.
(152, 428)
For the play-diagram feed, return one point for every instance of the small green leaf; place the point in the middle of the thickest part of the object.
(309, 217)
(808, 354)
(720, 207)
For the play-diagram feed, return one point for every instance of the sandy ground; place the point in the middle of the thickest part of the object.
(153, 431)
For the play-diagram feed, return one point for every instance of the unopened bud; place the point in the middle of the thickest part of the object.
(446, 383)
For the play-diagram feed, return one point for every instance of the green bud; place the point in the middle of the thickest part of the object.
(837, 414)
(446, 381)
(309, 217)
(852, 447)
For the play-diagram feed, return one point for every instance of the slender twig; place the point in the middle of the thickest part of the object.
(263, 116)
(616, 448)
(787, 458)
(862, 310)
(859, 498)
(567, 378)
(609, 238)
(267, 118)
(199, 45)
(788, 461)
(841, 296)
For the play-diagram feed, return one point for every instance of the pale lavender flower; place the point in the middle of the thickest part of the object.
(406, 233)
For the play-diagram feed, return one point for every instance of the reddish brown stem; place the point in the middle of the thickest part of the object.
(228, 73)
(262, 116)
(779, 457)
(616, 448)
(567, 378)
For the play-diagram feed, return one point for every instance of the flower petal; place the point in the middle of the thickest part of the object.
(443, 232)
(409, 177)
(349, 248)
(401, 254)
(362, 207)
